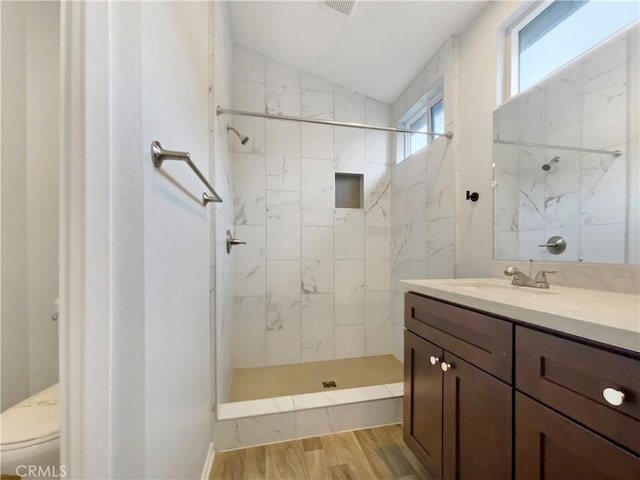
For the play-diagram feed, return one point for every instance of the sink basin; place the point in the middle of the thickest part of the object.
(480, 285)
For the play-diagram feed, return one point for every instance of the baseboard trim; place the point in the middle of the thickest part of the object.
(208, 464)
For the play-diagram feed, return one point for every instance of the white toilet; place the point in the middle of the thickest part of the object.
(31, 436)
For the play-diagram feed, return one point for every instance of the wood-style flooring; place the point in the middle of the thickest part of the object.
(374, 453)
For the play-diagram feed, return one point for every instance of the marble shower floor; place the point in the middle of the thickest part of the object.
(299, 378)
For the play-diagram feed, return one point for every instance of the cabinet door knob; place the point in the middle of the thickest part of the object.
(613, 397)
(433, 360)
(446, 366)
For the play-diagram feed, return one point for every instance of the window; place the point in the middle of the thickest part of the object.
(437, 117)
(427, 115)
(417, 140)
(553, 34)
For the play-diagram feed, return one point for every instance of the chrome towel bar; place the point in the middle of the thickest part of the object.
(159, 155)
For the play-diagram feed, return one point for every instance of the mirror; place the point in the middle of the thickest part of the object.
(586, 193)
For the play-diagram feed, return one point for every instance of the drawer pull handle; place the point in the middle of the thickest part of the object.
(613, 397)
(433, 360)
(446, 366)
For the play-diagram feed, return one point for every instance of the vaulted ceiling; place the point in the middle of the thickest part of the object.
(376, 51)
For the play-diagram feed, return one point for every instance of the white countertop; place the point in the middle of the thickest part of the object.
(606, 317)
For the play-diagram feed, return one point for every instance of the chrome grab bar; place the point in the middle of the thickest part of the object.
(159, 155)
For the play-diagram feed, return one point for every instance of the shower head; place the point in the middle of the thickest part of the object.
(243, 138)
(547, 166)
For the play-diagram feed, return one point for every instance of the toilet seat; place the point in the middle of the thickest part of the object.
(32, 422)
(8, 447)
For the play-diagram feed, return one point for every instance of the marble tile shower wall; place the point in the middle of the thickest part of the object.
(221, 280)
(584, 196)
(313, 281)
(423, 226)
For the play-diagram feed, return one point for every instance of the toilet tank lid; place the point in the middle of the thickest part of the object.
(33, 418)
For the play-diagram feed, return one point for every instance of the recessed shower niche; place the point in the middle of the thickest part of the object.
(349, 190)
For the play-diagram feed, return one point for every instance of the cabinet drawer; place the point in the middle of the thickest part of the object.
(480, 339)
(571, 377)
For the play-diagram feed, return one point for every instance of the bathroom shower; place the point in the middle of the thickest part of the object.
(547, 166)
(243, 138)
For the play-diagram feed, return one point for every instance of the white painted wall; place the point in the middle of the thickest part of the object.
(128, 249)
(42, 35)
(136, 337)
(175, 80)
(30, 36)
(477, 99)
(15, 333)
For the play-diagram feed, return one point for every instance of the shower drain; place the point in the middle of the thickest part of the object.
(329, 384)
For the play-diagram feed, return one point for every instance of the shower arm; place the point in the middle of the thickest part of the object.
(221, 111)
(159, 155)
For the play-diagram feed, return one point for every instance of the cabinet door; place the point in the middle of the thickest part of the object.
(571, 378)
(477, 415)
(423, 402)
(549, 446)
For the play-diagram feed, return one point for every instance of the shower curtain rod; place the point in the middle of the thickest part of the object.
(615, 153)
(220, 111)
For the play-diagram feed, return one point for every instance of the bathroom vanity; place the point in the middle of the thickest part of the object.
(512, 382)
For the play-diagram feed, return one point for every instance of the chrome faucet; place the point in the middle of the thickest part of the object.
(523, 280)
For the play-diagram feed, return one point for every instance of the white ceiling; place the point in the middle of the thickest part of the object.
(377, 52)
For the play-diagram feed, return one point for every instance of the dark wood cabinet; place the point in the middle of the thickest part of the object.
(489, 398)
(476, 423)
(458, 421)
(571, 378)
(422, 409)
(550, 446)
(478, 338)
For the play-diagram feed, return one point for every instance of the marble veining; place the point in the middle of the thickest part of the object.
(307, 265)
(349, 105)
(349, 292)
(317, 327)
(584, 104)
(283, 346)
(605, 317)
(249, 316)
(255, 422)
(317, 192)
(283, 156)
(283, 225)
(378, 322)
(316, 97)
(282, 89)
(422, 205)
(377, 196)
(317, 260)
(283, 294)
(349, 234)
